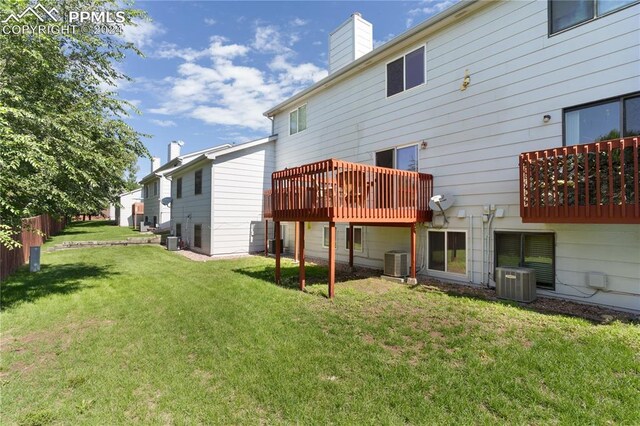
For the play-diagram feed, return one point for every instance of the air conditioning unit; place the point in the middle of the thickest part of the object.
(517, 284)
(172, 243)
(396, 263)
(272, 246)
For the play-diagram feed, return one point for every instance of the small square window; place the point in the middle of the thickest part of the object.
(406, 72)
(298, 120)
(448, 251)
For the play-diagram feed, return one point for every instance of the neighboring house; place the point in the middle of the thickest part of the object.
(156, 187)
(124, 212)
(217, 197)
(461, 97)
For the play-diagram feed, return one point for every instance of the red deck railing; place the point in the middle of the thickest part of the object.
(340, 191)
(592, 183)
(268, 212)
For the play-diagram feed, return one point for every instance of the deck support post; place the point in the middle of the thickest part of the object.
(413, 253)
(351, 246)
(278, 248)
(266, 237)
(301, 255)
(332, 259)
(296, 245)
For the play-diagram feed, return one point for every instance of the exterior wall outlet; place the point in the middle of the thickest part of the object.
(596, 280)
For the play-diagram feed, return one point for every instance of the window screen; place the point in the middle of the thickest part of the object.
(415, 68)
(357, 238)
(293, 122)
(436, 251)
(198, 182)
(395, 76)
(567, 13)
(302, 118)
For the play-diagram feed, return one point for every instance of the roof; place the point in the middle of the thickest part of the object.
(178, 161)
(444, 17)
(130, 192)
(213, 154)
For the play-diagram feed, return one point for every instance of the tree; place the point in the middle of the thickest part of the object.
(64, 147)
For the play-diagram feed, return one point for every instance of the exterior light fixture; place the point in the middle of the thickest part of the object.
(546, 118)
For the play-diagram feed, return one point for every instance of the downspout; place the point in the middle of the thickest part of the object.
(470, 227)
(483, 254)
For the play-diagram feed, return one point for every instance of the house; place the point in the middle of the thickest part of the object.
(216, 198)
(156, 186)
(124, 213)
(502, 106)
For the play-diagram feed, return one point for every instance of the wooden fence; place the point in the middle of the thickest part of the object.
(35, 231)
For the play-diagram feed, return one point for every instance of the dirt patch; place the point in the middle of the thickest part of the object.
(372, 285)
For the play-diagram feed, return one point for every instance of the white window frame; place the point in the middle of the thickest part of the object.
(346, 239)
(395, 153)
(446, 249)
(326, 228)
(297, 112)
(404, 71)
(595, 16)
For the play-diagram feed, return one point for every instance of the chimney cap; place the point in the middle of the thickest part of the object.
(357, 14)
(179, 142)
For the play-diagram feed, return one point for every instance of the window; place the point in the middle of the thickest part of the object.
(198, 182)
(448, 251)
(179, 188)
(406, 72)
(178, 230)
(404, 158)
(298, 120)
(155, 221)
(357, 238)
(565, 14)
(155, 188)
(602, 120)
(197, 236)
(146, 191)
(529, 250)
(146, 220)
(325, 237)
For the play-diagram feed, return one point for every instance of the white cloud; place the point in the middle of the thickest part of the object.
(268, 39)
(229, 93)
(164, 123)
(299, 22)
(427, 9)
(142, 33)
(170, 50)
(210, 21)
(377, 43)
(317, 43)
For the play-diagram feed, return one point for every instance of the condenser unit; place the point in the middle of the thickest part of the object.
(272, 246)
(396, 263)
(517, 284)
(172, 243)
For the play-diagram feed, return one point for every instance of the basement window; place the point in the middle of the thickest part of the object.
(197, 236)
(298, 120)
(528, 250)
(178, 230)
(448, 251)
(406, 72)
(325, 237)
(357, 238)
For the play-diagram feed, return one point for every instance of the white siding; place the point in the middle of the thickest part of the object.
(239, 181)
(192, 209)
(518, 74)
(153, 203)
(350, 41)
(123, 212)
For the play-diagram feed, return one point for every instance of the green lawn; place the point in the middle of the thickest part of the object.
(125, 335)
(95, 230)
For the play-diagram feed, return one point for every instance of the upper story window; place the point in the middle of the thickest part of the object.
(155, 188)
(603, 120)
(198, 182)
(146, 191)
(403, 158)
(406, 72)
(565, 14)
(179, 188)
(298, 120)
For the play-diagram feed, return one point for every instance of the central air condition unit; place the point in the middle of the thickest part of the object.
(272, 246)
(172, 243)
(517, 284)
(396, 263)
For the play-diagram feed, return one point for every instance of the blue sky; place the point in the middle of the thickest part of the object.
(211, 68)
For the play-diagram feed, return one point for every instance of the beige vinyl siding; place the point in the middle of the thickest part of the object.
(518, 74)
(198, 206)
(239, 181)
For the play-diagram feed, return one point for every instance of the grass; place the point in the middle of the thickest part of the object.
(140, 335)
(95, 230)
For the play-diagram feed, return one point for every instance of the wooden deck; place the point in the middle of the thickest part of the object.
(340, 191)
(592, 183)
